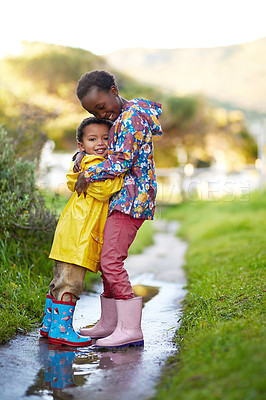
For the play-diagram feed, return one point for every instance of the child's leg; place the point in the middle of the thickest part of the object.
(67, 278)
(66, 287)
(108, 320)
(119, 232)
(107, 292)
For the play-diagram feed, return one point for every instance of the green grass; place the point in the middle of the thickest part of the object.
(55, 202)
(221, 340)
(22, 291)
(144, 238)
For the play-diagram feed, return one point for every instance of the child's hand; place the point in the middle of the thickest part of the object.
(81, 185)
(78, 159)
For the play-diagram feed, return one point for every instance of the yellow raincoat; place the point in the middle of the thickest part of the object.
(78, 236)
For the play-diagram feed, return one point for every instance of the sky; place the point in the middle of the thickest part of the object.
(103, 26)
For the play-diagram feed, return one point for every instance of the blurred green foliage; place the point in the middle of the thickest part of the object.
(26, 233)
(38, 101)
(24, 216)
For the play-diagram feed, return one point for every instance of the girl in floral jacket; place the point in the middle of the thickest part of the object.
(130, 152)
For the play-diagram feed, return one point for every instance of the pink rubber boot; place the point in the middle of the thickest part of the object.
(107, 323)
(128, 330)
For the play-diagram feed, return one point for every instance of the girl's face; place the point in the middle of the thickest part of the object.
(101, 104)
(95, 139)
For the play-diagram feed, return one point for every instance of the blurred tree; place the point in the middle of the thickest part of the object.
(28, 133)
(38, 100)
(54, 67)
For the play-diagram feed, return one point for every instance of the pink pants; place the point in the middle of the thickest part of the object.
(119, 232)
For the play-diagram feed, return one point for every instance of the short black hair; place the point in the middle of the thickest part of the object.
(88, 121)
(101, 79)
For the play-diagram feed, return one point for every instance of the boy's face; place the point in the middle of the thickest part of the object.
(95, 139)
(106, 105)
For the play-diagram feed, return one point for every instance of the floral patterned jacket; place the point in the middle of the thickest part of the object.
(131, 151)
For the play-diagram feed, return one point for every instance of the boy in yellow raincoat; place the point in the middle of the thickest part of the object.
(78, 237)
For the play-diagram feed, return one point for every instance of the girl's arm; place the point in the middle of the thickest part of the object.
(103, 190)
(78, 158)
(123, 153)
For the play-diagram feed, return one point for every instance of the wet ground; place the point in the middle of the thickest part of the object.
(31, 368)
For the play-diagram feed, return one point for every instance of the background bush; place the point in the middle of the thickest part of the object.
(24, 216)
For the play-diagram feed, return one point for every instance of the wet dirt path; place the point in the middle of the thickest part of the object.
(31, 368)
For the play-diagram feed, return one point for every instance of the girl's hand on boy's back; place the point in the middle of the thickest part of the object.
(81, 185)
(79, 157)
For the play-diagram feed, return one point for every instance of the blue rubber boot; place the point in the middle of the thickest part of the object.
(47, 318)
(62, 331)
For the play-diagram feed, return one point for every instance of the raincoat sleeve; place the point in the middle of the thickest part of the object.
(72, 178)
(101, 191)
(124, 151)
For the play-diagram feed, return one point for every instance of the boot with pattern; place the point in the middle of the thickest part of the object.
(47, 318)
(62, 331)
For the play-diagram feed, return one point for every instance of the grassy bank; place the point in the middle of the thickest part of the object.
(24, 281)
(221, 340)
(144, 238)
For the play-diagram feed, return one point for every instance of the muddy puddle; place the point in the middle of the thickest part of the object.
(31, 368)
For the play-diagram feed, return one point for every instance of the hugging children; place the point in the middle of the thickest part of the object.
(130, 154)
(78, 237)
(135, 122)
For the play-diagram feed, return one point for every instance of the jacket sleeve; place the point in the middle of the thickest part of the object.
(72, 178)
(102, 191)
(123, 152)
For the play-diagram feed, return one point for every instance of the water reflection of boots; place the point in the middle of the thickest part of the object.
(45, 360)
(87, 363)
(57, 365)
(58, 373)
(112, 359)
